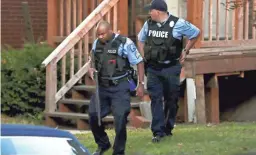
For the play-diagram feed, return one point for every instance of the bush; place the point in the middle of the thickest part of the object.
(23, 80)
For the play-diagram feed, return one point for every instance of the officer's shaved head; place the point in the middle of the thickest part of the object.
(103, 24)
(104, 31)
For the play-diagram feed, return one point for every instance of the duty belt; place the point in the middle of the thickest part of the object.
(111, 82)
(160, 66)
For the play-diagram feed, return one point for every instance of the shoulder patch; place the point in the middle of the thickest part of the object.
(132, 47)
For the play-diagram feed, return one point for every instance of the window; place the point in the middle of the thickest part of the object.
(25, 145)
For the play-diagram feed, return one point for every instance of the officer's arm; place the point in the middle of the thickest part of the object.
(141, 48)
(134, 57)
(191, 43)
(142, 36)
(184, 28)
(141, 71)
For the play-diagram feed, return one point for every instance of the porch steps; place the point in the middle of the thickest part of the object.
(74, 111)
(87, 102)
(89, 88)
(55, 119)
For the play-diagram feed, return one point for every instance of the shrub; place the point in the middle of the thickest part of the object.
(23, 80)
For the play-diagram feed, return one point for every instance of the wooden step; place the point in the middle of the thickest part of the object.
(73, 105)
(75, 116)
(75, 102)
(134, 104)
(90, 88)
(55, 119)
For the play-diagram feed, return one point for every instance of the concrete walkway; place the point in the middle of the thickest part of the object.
(78, 131)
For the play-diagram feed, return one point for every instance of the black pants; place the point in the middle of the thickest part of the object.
(165, 84)
(117, 99)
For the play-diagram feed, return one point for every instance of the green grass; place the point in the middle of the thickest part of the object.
(223, 139)
(19, 120)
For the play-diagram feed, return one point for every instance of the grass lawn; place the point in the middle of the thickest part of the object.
(19, 120)
(223, 139)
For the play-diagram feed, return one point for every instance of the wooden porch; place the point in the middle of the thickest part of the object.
(71, 29)
(219, 54)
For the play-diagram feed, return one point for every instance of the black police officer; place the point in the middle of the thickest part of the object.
(113, 55)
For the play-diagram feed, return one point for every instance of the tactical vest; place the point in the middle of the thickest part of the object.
(160, 45)
(107, 61)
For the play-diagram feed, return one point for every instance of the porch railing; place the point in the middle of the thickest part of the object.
(224, 23)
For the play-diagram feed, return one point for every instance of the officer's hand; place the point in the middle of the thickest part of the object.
(182, 57)
(91, 71)
(140, 90)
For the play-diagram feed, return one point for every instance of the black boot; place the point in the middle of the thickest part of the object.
(168, 132)
(101, 151)
(157, 138)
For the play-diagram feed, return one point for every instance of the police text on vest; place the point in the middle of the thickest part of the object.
(159, 34)
(112, 51)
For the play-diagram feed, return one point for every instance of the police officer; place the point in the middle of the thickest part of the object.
(160, 44)
(114, 54)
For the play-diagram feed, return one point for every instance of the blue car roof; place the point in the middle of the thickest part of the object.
(36, 130)
(32, 130)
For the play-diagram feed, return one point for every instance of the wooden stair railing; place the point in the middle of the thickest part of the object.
(78, 38)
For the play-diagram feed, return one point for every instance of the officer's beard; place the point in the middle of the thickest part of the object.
(108, 38)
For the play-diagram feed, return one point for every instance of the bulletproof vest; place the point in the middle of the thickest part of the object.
(160, 45)
(107, 61)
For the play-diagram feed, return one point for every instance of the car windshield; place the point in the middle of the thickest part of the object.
(25, 145)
